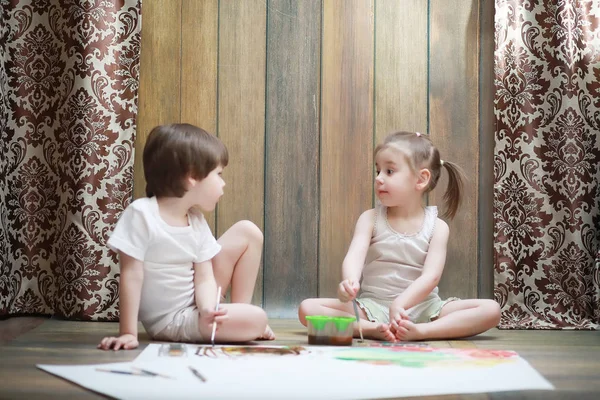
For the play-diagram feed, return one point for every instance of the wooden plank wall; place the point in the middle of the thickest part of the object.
(346, 130)
(301, 92)
(453, 125)
(292, 159)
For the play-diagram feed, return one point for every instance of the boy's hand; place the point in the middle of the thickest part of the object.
(207, 317)
(125, 342)
(347, 290)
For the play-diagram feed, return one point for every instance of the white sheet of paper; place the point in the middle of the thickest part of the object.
(317, 376)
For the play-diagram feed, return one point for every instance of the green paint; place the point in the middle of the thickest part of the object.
(415, 359)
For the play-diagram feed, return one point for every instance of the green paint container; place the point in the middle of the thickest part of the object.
(330, 331)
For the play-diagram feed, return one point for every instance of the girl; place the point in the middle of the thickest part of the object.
(398, 252)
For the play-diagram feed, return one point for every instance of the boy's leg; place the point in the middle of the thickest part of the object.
(245, 322)
(458, 319)
(335, 308)
(237, 263)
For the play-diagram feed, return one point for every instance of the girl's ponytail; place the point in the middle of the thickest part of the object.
(454, 192)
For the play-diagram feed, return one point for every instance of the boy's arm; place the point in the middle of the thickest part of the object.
(355, 257)
(205, 293)
(205, 286)
(132, 277)
(432, 271)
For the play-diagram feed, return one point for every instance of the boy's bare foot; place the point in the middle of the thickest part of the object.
(267, 334)
(380, 332)
(407, 331)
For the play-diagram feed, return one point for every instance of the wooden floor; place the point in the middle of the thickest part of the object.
(570, 360)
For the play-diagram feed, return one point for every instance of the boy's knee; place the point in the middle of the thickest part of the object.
(251, 231)
(260, 319)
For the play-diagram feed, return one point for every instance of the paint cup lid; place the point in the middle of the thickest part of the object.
(320, 321)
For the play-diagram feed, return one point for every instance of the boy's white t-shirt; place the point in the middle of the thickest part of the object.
(168, 253)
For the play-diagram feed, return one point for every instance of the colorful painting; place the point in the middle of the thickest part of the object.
(274, 372)
(421, 357)
(240, 351)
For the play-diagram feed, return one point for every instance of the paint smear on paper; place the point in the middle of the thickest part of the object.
(421, 357)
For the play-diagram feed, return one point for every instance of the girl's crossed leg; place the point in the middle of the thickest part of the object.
(335, 308)
(458, 319)
(237, 265)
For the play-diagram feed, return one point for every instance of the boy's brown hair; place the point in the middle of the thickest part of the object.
(175, 152)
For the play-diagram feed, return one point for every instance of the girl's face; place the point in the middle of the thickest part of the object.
(395, 179)
(207, 192)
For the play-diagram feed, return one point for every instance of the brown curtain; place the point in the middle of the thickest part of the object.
(547, 156)
(69, 82)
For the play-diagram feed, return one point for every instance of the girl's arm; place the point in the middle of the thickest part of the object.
(132, 276)
(432, 272)
(355, 257)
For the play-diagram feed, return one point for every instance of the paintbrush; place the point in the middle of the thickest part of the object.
(115, 371)
(197, 373)
(355, 304)
(151, 373)
(214, 330)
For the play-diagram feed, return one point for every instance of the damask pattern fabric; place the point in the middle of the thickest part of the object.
(69, 81)
(547, 157)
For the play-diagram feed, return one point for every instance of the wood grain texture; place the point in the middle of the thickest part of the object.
(292, 155)
(14, 327)
(570, 360)
(400, 67)
(199, 51)
(454, 72)
(347, 131)
(160, 71)
(241, 113)
(486, 145)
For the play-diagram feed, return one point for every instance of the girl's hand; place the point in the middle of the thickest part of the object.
(125, 342)
(397, 314)
(208, 317)
(347, 290)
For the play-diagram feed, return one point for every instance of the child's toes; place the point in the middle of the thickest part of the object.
(267, 334)
(385, 333)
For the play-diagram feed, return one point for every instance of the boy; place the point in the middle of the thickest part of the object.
(171, 264)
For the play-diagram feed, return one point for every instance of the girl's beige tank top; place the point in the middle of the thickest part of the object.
(394, 260)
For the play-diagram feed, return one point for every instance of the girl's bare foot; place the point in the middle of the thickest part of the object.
(267, 334)
(407, 331)
(380, 332)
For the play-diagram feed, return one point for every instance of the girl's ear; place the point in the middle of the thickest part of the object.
(423, 178)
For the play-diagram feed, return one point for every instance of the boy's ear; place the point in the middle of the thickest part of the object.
(423, 178)
(191, 182)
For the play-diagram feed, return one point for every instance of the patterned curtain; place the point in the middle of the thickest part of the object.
(69, 81)
(547, 156)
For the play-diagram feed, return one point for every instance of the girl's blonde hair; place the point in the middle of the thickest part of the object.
(420, 153)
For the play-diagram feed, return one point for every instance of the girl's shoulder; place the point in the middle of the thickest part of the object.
(430, 222)
(440, 224)
(367, 218)
(440, 230)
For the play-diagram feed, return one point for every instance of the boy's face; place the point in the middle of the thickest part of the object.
(207, 192)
